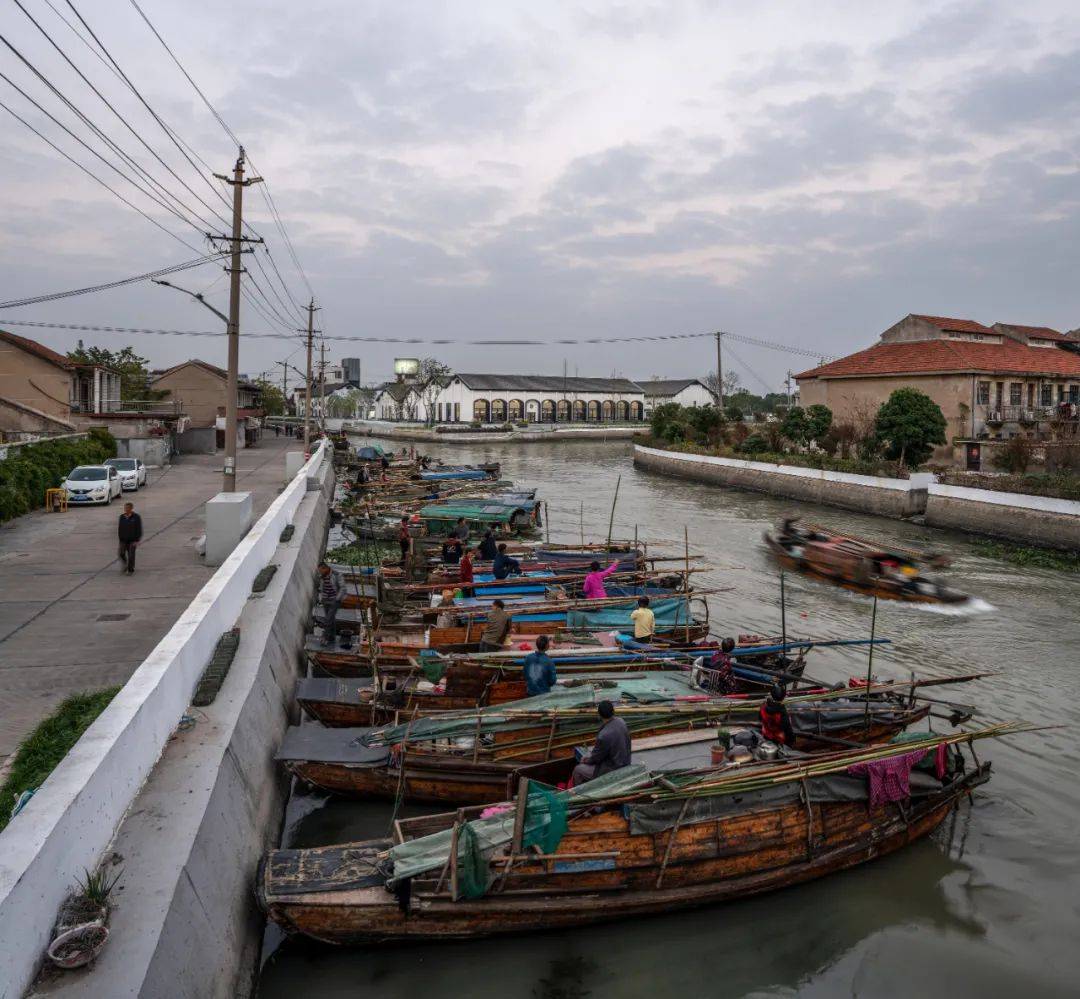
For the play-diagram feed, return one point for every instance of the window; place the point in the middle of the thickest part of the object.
(594, 411)
(457, 412)
(636, 411)
(982, 394)
(564, 410)
(622, 411)
(999, 391)
(1015, 393)
(517, 410)
(608, 410)
(1031, 396)
(1061, 393)
(498, 410)
(1047, 395)
(579, 410)
(480, 412)
(1074, 393)
(547, 411)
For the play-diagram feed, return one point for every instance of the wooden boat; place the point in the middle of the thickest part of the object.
(861, 566)
(491, 749)
(627, 844)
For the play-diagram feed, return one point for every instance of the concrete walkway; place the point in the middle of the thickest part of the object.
(70, 620)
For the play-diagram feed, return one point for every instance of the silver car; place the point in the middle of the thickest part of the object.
(132, 472)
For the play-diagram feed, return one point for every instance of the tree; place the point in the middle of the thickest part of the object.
(665, 419)
(909, 424)
(731, 382)
(796, 427)
(818, 421)
(134, 370)
(345, 405)
(273, 401)
(431, 378)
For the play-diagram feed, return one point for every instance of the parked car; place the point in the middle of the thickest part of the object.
(132, 472)
(92, 484)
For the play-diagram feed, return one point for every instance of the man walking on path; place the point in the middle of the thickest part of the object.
(129, 531)
(331, 590)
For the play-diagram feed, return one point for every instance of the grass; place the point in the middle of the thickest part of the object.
(1037, 558)
(48, 744)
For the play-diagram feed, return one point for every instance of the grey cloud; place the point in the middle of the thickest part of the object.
(827, 63)
(998, 99)
(957, 29)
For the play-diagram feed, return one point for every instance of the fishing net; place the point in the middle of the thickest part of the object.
(433, 666)
(472, 864)
(545, 819)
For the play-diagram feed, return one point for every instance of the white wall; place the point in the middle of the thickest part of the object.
(70, 821)
(457, 393)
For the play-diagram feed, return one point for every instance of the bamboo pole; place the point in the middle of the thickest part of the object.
(611, 520)
(686, 579)
(581, 522)
(547, 524)
(519, 816)
(783, 611)
(870, 662)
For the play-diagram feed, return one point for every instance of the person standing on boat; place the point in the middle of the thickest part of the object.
(445, 607)
(465, 573)
(404, 539)
(721, 664)
(611, 751)
(539, 669)
(451, 550)
(461, 530)
(488, 549)
(593, 587)
(775, 724)
(496, 628)
(644, 620)
(331, 590)
(504, 565)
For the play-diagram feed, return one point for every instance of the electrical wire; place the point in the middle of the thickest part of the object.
(160, 272)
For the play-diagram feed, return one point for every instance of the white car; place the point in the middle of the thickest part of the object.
(132, 472)
(92, 484)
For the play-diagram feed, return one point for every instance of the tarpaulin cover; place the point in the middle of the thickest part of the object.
(370, 452)
(494, 513)
(670, 613)
(429, 853)
(464, 473)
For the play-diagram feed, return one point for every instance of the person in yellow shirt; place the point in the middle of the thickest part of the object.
(644, 620)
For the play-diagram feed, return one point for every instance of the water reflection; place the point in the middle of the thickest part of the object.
(987, 907)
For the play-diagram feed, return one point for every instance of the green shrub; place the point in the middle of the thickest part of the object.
(29, 470)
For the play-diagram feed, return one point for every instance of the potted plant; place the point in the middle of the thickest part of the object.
(80, 926)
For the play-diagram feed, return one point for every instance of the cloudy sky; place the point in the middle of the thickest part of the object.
(805, 173)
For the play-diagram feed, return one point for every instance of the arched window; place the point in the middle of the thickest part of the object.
(594, 412)
(622, 411)
(564, 411)
(547, 411)
(637, 411)
(517, 411)
(608, 410)
(532, 410)
(579, 411)
(481, 411)
(498, 410)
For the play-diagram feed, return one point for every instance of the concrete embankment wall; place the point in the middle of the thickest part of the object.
(866, 493)
(395, 431)
(184, 920)
(1039, 520)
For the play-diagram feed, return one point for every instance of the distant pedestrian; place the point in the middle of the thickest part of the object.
(331, 590)
(277, 429)
(404, 539)
(129, 532)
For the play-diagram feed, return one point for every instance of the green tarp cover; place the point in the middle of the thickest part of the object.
(429, 853)
(641, 688)
(670, 613)
(490, 513)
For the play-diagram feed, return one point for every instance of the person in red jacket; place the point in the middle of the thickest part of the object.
(775, 723)
(465, 573)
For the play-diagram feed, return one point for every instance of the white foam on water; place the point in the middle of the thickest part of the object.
(976, 605)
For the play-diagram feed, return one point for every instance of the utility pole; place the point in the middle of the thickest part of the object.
(322, 386)
(787, 386)
(719, 373)
(307, 389)
(231, 387)
(284, 387)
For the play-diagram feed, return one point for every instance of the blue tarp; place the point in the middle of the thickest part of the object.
(464, 473)
(670, 613)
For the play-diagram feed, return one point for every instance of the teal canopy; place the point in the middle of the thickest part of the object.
(673, 612)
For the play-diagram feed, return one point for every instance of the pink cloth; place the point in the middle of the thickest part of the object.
(593, 587)
(487, 813)
(889, 779)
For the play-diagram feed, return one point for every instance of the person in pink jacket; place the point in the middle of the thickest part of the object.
(593, 587)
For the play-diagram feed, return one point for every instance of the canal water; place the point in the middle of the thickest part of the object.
(990, 906)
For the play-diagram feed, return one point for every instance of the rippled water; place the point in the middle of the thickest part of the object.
(988, 906)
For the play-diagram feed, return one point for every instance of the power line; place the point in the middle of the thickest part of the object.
(160, 272)
(772, 345)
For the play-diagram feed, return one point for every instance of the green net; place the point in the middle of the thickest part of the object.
(472, 865)
(433, 666)
(545, 819)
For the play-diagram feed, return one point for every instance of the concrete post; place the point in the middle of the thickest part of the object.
(294, 461)
(228, 518)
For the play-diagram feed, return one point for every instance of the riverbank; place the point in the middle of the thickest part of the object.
(532, 434)
(1034, 520)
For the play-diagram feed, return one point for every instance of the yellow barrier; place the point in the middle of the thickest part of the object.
(56, 500)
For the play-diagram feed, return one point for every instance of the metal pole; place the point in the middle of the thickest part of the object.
(322, 386)
(307, 383)
(232, 388)
(611, 522)
(783, 611)
(719, 374)
(870, 664)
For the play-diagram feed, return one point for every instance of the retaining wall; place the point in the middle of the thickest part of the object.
(72, 819)
(865, 493)
(1039, 520)
(520, 435)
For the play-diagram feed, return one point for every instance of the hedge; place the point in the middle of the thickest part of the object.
(29, 470)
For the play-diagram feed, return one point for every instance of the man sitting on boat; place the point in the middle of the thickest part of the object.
(504, 565)
(723, 676)
(539, 669)
(644, 621)
(611, 751)
(496, 629)
(775, 723)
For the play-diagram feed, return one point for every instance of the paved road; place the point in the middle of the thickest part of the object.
(61, 588)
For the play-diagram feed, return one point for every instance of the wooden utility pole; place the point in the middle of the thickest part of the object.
(322, 386)
(235, 270)
(307, 382)
(719, 372)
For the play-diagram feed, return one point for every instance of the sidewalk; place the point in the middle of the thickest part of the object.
(70, 621)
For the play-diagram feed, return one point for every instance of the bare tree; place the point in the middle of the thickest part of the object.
(430, 380)
(731, 382)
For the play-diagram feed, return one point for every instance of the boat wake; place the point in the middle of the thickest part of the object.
(976, 605)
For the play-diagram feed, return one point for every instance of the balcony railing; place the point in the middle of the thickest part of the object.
(1032, 414)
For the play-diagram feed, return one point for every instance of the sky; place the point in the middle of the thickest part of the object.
(799, 173)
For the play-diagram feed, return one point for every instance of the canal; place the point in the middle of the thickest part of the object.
(987, 907)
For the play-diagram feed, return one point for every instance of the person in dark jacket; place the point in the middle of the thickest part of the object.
(129, 531)
(331, 591)
(539, 669)
(612, 749)
(504, 565)
(775, 724)
(488, 549)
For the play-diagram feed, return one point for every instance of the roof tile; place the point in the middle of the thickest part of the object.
(39, 349)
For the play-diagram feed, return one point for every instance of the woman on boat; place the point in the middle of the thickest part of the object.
(465, 573)
(775, 723)
(723, 679)
(488, 548)
(593, 587)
